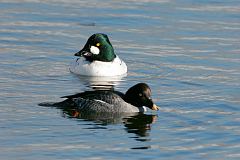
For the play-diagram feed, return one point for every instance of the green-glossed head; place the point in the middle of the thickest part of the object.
(98, 48)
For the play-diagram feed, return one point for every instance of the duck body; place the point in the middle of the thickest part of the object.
(100, 102)
(98, 68)
(97, 58)
(136, 99)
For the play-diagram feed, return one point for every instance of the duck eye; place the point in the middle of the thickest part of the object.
(140, 94)
(98, 44)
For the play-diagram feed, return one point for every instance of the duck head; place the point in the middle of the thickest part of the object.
(140, 95)
(97, 48)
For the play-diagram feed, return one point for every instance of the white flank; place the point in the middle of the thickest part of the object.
(97, 68)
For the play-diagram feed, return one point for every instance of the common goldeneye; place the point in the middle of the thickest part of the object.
(136, 99)
(97, 58)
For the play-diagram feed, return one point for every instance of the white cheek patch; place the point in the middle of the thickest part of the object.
(94, 50)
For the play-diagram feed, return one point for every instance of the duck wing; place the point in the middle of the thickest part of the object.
(99, 102)
(89, 106)
(93, 106)
(111, 97)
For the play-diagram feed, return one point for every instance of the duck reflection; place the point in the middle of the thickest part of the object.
(140, 124)
(137, 123)
(101, 83)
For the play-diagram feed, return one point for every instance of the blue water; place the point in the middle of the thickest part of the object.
(187, 51)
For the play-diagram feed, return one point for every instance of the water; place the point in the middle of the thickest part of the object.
(187, 51)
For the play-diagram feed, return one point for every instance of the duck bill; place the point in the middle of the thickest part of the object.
(79, 54)
(83, 53)
(155, 107)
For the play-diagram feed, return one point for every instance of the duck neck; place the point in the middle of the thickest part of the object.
(131, 100)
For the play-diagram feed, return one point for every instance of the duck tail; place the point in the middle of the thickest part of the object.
(66, 103)
(47, 104)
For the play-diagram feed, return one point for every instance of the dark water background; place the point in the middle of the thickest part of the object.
(187, 51)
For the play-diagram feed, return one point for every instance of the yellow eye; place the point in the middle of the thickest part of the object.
(98, 44)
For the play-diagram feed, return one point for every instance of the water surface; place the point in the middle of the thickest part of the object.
(187, 51)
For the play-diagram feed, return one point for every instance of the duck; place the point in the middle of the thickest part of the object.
(136, 99)
(97, 58)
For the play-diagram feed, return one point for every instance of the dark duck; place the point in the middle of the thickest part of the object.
(136, 99)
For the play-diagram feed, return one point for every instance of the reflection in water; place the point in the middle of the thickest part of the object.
(101, 83)
(137, 123)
